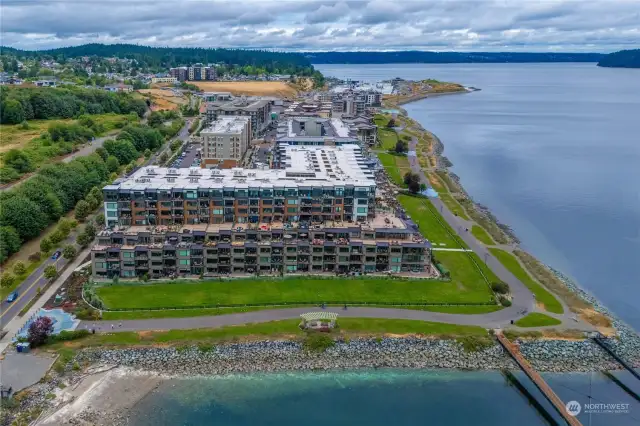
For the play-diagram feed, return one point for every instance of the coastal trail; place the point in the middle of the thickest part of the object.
(498, 319)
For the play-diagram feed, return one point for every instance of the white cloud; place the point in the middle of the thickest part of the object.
(563, 25)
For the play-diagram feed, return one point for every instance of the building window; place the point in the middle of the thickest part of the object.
(185, 262)
(127, 254)
(183, 253)
(112, 205)
(112, 213)
(362, 209)
(291, 210)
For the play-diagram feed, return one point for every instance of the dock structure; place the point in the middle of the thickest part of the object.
(537, 379)
(603, 344)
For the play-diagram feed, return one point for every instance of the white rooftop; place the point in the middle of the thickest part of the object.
(340, 168)
(228, 124)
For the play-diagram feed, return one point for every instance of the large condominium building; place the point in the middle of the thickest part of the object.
(197, 72)
(257, 109)
(225, 141)
(180, 73)
(316, 215)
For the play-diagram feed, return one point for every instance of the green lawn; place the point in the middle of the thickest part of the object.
(431, 224)
(396, 167)
(295, 291)
(542, 295)
(465, 274)
(282, 329)
(482, 235)
(536, 319)
(388, 138)
(178, 313)
(453, 205)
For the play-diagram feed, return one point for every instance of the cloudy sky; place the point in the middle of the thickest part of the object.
(478, 25)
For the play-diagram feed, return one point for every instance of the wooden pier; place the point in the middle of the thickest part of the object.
(537, 379)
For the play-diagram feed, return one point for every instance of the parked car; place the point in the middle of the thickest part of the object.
(56, 254)
(12, 297)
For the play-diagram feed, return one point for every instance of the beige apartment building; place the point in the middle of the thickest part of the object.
(225, 141)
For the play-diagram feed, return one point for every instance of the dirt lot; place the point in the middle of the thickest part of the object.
(163, 99)
(255, 88)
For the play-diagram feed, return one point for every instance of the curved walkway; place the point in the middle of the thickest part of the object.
(499, 319)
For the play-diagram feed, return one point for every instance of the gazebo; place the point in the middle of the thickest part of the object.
(322, 321)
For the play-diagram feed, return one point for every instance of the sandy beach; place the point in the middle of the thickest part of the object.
(101, 398)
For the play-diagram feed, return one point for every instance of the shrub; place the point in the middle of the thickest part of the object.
(69, 252)
(500, 287)
(476, 343)
(318, 342)
(504, 301)
(19, 268)
(7, 280)
(34, 257)
(39, 331)
(65, 336)
(205, 347)
(46, 245)
(50, 272)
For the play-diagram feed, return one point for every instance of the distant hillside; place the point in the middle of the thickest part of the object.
(622, 59)
(165, 57)
(409, 57)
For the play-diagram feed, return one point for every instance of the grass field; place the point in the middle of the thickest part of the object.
(164, 99)
(542, 295)
(388, 138)
(14, 136)
(482, 235)
(453, 205)
(431, 224)
(284, 329)
(536, 319)
(255, 88)
(467, 287)
(396, 167)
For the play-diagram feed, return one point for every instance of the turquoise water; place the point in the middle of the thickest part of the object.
(368, 397)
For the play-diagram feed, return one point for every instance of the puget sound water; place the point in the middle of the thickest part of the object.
(553, 150)
(373, 398)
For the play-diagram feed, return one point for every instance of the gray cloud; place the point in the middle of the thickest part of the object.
(569, 25)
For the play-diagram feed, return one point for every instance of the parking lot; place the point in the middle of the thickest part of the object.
(190, 159)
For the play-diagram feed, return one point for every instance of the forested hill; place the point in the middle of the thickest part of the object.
(165, 57)
(622, 59)
(408, 57)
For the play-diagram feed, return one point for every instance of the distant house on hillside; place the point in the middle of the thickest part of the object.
(45, 83)
(119, 88)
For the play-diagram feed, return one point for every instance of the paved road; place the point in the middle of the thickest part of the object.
(522, 297)
(29, 288)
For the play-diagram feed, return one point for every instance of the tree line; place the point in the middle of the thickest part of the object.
(407, 57)
(622, 59)
(56, 189)
(20, 104)
(166, 57)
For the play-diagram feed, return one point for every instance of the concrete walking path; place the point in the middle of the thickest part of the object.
(498, 319)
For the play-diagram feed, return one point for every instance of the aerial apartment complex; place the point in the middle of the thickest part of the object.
(225, 141)
(197, 72)
(257, 109)
(317, 214)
